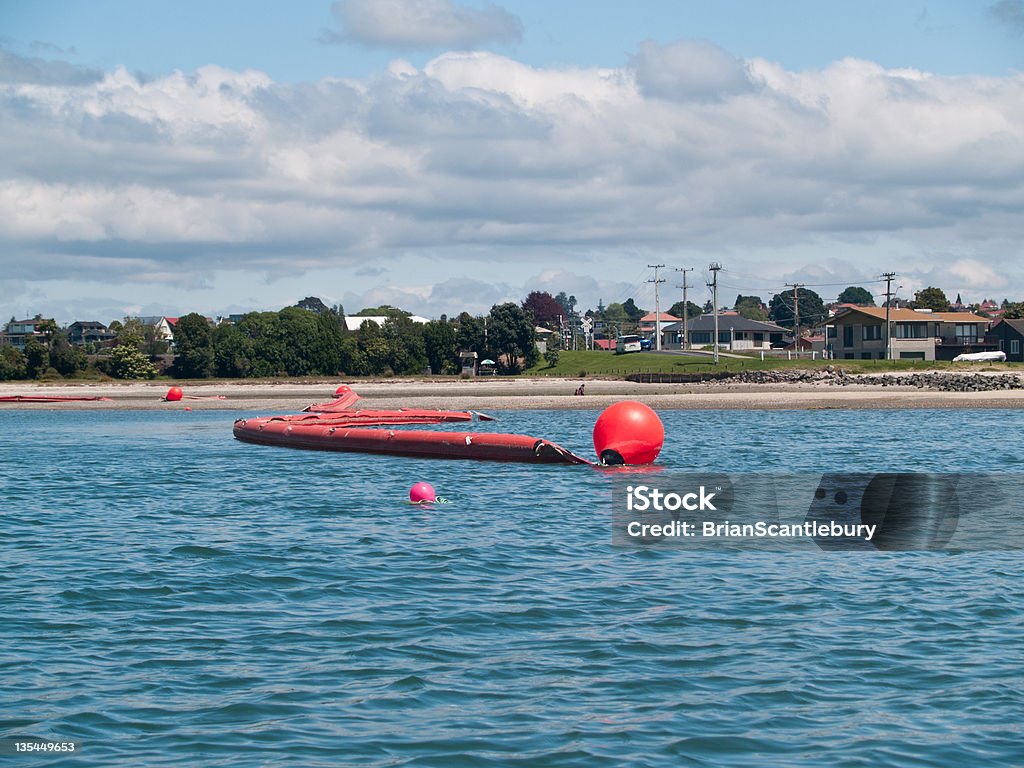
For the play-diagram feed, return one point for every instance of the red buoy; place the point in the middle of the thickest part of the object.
(173, 394)
(344, 389)
(628, 433)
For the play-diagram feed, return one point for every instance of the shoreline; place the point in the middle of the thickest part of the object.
(502, 395)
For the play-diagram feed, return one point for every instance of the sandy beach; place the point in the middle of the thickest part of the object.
(501, 394)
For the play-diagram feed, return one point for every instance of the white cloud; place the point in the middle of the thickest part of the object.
(480, 165)
(689, 70)
(422, 24)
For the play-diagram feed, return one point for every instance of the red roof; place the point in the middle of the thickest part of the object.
(172, 321)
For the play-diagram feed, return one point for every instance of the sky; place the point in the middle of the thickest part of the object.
(158, 158)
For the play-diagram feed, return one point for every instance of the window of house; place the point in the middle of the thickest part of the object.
(911, 330)
(966, 333)
(872, 332)
(847, 335)
(1014, 346)
(865, 355)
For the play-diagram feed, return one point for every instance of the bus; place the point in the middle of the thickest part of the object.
(625, 344)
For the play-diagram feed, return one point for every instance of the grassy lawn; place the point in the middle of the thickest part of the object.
(608, 364)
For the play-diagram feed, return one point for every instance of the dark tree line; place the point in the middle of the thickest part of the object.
(315, 342)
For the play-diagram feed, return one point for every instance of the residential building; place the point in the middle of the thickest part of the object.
(83, 332)
(1010, 337)
(990, 308)
(735, 332)
(163, 326)
(858, 333)
(17, 332)
(647, 322)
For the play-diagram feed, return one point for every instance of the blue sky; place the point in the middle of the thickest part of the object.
(443, 155)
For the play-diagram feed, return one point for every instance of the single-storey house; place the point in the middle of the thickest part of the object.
(735, 332)
(646, 324)
(858, 333)
(1010, 336)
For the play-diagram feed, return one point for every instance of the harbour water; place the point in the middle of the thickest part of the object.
(174, 597)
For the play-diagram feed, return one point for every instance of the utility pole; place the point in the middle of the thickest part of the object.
(684, 286)
(657, 305)
(888, 307)
(796, 315)
(713, 285)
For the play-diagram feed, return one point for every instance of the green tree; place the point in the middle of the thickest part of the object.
(567, 303)
(12, 363)
(152, 344)
(299, 343)
(129, 362)
(351, 359)
(856, 295)
(552, 354)
(131, 331)
(692, 310)
(1013, 310)
(385, 310)
(37, 358)
(233, 352)
(313, 304)
(812, 308)
(374, 350)
(193, 345)
(327, 358)
(48, 328)
(406, 350)
(470, 334)
(441, 346)
(511, 337)
(750, 307)
(931, 298)
(65, 358)
(633, 312)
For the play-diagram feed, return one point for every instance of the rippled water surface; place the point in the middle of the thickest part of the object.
(174, 597)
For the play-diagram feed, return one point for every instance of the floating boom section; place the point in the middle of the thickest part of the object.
(486, 446)
(336, 426)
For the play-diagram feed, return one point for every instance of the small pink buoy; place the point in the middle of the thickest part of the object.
(187, 408)
(421, 492)
(173, 395)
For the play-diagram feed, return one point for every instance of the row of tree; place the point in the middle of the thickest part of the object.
(305, 342)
